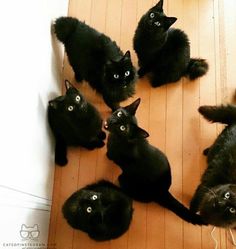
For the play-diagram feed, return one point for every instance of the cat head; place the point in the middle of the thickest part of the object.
(27, 232)
(123, 122)
(218, 206)
(155, 19)
(71, 103)
(100, 210)
(120, 73)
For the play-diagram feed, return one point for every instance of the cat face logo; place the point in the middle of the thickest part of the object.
(29, 233)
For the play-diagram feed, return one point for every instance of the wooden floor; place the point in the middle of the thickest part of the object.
(168, 113)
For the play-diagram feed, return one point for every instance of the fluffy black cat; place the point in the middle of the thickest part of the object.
(146, 174)
(97, 59)
(74, 122)
(101, 209)
(164, 52)
(215, 197)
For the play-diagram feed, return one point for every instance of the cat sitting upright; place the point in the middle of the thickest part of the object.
(74, 122)
(146, 174)
(100, 209)
(164, 52)
(97, 59)
(215, 197)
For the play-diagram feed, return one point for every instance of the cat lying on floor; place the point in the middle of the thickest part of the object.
(215, 197)
(99, 209)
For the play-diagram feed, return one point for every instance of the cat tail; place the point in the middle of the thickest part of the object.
(168, 201)
(64, 27)
(196, 68)
(225, 114)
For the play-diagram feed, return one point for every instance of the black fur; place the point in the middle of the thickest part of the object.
(74, 122)
(97, 59)
(111, 211)
(215, 197)
(146, 174)
(164, 52)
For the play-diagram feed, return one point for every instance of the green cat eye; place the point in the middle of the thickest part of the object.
(94, 197)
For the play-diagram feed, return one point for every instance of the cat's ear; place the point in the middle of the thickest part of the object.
(133, 106)
(23, 227)
(140, 133)
(159, 5)
(169, 21)
(68, 85)
(127, 55)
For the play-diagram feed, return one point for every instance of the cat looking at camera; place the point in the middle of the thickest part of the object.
(215, 197)
(97, 59)
(164, 52)
(146, 174)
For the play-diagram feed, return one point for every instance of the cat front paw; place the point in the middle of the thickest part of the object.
(197, 220)
(102, 135)
(61, 161)
(141, 72)
(206, 151)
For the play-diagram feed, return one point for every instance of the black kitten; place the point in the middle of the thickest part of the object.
(74, 122)
(146, 174)
(162, 52)
(97, 59)
(99, 209)
(215, 197)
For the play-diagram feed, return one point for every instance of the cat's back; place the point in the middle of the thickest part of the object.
(221, 159)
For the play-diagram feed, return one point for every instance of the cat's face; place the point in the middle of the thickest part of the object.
(122, 122)
(155, 19)
(69, 104)
(120, 74)
(218, 206)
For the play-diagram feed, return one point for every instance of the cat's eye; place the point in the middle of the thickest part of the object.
(119, 114)
(127, 73)
(116, 76)
(70, 108)
(227, 195)
(157, 23)
(89, 209)
(122, 127)
(94, 197)
(77, 98)
(232, 210)
(152, 15)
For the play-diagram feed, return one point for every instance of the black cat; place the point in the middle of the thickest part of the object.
(99, 209)
(146, 174)
(162, 52)
(215, 197)
(74, 122)
(97, 59)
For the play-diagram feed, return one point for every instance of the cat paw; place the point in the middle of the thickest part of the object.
(197, 220)
(100, 144)
(61, 161)
(78, 78)
(141, 72)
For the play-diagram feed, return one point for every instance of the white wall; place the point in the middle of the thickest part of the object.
(30, 66)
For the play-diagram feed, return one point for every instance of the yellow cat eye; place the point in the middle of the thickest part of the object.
(227, 195)
(127, 73)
